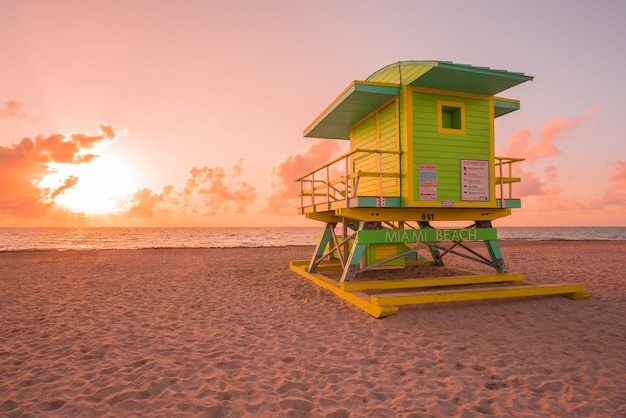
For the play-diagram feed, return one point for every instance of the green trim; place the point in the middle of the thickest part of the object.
(389, 236)
(321, 246)
(512, 203)
(502, 107)
(448, 75)
(494, 250)
(357, 101)
(372, 202)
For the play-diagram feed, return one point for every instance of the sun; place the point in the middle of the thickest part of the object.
(103, 184)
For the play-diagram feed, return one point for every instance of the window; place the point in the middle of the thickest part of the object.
(451, 117)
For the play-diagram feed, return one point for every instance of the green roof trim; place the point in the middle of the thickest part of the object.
(361, 98)
(446, 75)
(357, 101)
(503, 106)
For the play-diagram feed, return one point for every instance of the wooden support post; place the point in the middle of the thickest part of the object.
(318, 255)
(356, 254)
(494, 249)
(437, 258)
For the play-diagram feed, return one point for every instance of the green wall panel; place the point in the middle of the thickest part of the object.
(445, 150)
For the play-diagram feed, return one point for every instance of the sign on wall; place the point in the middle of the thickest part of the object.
(475, 180)
(428, 182)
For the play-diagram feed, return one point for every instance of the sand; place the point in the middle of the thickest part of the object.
(233, 332)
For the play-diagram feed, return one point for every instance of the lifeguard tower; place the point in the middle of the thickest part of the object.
(421, 153)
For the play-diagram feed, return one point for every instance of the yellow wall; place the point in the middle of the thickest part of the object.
(377, 131)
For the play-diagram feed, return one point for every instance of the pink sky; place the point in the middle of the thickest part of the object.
(156, 113)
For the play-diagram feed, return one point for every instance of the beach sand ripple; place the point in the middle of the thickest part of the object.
(233, 332)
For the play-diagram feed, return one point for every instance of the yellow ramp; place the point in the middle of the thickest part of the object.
(455, 295)
(381, 298)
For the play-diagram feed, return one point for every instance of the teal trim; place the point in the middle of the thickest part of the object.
(371, 88)
(481, 70)
(496, 256)
(502, 107)
(372, 202)
(494, 250)
(354, 259)
(321, 247)
(358, 249)
(513, 203)
(446, 75)
(356, 102)
(510, 203)
(324, 240)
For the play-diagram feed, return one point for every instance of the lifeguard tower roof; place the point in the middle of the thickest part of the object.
(362, 97)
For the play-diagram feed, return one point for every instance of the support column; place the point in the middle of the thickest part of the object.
(494, 249)
(437, 258)
(318, 255)
(356, 254)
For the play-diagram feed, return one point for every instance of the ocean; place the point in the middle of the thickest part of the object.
(63, 239)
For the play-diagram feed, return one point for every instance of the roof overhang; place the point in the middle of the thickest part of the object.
(502, 106)
(357, 101)
(445, 75)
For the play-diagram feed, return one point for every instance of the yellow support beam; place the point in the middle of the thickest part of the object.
(326, 217)
(445, 289)
(507, 180)
(406, 214)
(580, 295)
(358, 299)
(430, 282)
(421, 214)
(435, 296)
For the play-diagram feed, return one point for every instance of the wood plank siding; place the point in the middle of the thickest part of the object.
(378, 131)
(429, 144)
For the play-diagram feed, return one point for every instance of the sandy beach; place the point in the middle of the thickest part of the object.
(235, 333)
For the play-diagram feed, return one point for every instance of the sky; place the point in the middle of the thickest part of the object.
(168, 113)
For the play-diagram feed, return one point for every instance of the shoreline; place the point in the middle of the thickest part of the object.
(233, 332)
(311, 246)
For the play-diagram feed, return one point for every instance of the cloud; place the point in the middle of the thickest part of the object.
(531, 185)
(144, 203)
(207, 192)
(554, 201)
(220, 192)
(285, 189)
(24, 164)
(13, 109)
(68, 183)
(618, 176)
(616, 194)
(522, 144)
(549, 197)
(544, 188)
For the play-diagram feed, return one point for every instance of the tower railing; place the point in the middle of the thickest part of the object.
(337, 181)
(504, 176)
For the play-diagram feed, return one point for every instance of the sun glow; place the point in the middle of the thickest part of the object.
(101, 187)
